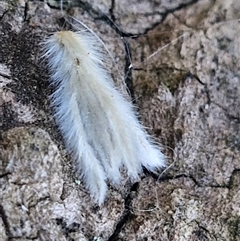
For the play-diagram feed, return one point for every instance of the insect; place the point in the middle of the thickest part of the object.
(98, 124)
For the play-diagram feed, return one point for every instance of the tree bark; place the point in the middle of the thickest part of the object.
(181, 63)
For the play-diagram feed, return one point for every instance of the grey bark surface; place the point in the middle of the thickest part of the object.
(181, 62)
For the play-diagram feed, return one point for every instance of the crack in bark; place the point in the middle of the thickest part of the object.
(111, 10)
(165, 14)
(127, 214)
(5, 222)
(5, 75)
(2, 16)
(230, 117)
(26, 7)
(5, 174)
(128, 70)
(205, 230)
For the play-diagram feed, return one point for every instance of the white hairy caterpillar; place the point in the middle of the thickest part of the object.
(99, 126)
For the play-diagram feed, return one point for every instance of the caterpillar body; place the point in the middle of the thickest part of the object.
(98, 124)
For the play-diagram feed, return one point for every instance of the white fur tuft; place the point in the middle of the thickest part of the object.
(98, 125)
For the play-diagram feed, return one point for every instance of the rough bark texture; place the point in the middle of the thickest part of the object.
(187, 94)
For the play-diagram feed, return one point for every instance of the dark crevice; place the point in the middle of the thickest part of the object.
(168, 177)
(123, 220)
(233, 118)
(5, 222)
(158, 177)
(128, 70)
(127, 215)
(5, 174)
(200, 233)
(111, 10)
(2, 16)
(5, 75)
(190, 75)
(231, 180)
(26, 12)
(230, 116)
(164, 178)
(169, 11)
